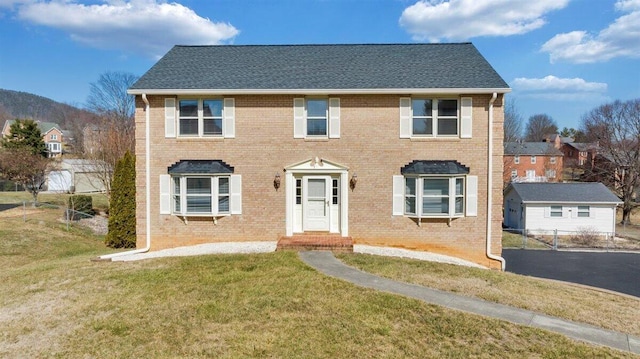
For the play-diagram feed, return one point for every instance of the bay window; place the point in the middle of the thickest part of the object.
(434, 196)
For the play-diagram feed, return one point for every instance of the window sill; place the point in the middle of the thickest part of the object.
(437, 139)
(316, 139)
(214, 217)
(447, 217)
(204, 138)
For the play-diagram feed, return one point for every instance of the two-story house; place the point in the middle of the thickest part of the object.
(386, 145)
(532, 162)
(51, 134)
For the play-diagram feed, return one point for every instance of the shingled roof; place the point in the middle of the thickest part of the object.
(265, 68)
(531, 148)
(199, 166)
(579, 192)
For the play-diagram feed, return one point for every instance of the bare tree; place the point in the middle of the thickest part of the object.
(512, 122)
(114, 134)
(538, 127)
(23, 166)
(616, 128)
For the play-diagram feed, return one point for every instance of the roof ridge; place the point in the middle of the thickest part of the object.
(337, 44)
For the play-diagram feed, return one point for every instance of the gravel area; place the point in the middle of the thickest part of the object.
(405, 253)
(98, 224)
(270, 246)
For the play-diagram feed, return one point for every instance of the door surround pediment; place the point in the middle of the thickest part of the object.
(316, 164)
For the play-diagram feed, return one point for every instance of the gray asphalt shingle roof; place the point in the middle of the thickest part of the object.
(587, 192)
(367, 66)
(531, 148)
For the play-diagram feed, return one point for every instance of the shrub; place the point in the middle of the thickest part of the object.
(586, 236)
(122, 208)
(80, 204)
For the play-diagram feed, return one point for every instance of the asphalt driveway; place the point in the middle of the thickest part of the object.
(619, 272)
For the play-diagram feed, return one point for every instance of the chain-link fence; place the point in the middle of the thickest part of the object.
(69, 217)
(582, 238)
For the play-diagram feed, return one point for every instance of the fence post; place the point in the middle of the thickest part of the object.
(524, 238)
(67, 215)
(555, 239)
(24, 211)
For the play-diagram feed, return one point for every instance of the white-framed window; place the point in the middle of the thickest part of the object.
(200, 117)
(200, 195)
(316, 117)
(514, 173)
(191, 117)
(425, 117)
(434, 196)
(533, 160)
(550, 173)
(516, 159)
(54, 137)
(434, 117)
(552, 160)
(583, 211)
(54, 147)
(581, 161)
(555, 211)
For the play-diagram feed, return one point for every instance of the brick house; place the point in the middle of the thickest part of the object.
(532, 162)
(51, 134)
(384, 145)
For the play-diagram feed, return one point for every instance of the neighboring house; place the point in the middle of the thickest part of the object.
(51, 134)
(579, 154)
(557, 140)
(77, 176)
(384, 145)
(566, 207)
(532, 162)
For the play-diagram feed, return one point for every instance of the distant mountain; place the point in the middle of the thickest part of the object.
(16, 104)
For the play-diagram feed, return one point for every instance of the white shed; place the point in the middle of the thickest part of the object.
(565, 207)
(77, 176)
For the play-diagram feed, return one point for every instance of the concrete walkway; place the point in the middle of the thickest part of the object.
(326, 263)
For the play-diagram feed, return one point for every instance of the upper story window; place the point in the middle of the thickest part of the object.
(516, 159)
(552, 160)
(54, 137)
(199, 117)
(533, 160)
(434, 117)
(316, 117)
(202, 117)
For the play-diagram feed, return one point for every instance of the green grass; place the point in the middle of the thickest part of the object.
(60, 199)
(515, 240)
(56, 303)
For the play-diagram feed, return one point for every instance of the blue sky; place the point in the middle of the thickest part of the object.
(561, 57)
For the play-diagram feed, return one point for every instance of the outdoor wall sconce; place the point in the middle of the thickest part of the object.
(276, 181)
(353, 181)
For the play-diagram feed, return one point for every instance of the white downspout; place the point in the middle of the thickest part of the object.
(147, 161)
(490, 185)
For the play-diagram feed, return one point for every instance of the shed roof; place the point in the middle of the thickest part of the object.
(531, 148)
(579, 192)
(322, 67)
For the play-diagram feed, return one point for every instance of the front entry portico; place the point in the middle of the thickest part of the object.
(317, 198)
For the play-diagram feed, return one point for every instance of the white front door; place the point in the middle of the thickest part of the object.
(316, 198)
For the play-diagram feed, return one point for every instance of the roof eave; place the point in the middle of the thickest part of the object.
(571, 202)
(403, 91)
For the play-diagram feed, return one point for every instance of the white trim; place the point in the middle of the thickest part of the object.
(334, 117)
(383, 91)
(466, 117)
(165, 194)
(170, 112)
(228, 117)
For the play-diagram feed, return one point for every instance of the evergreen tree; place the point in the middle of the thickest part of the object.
(25, 134)
(122, 208)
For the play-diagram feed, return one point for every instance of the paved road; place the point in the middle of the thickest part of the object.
(619, 272)
(4, 207)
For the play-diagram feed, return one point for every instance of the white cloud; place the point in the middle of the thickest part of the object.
(144, 26)
(555, 84)
(560, 89)
(435, 20)
(619, 39)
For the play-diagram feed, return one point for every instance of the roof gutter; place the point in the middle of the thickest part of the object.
(490, 185)
(361, 91)
(147, 161)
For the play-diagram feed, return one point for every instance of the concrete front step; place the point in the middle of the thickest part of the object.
(325, 242)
